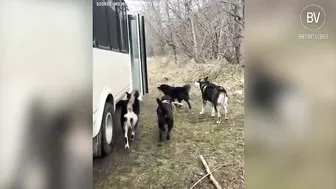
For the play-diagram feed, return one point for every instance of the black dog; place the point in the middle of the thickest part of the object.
(179, 93)
(165, 116)
(130, 115)
(215, 94)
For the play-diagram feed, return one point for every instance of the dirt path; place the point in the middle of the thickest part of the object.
(174, 165)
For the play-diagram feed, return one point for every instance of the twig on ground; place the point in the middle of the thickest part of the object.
(213, 170)
(212, 178)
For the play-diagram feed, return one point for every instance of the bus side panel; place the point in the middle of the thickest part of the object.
(111, 72)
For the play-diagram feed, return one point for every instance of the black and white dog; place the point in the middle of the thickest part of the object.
(179, 93)
(130, 115)
(215, 94)
(165, 116)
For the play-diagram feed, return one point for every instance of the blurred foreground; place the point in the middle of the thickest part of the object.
(290, 98)
(45, 95)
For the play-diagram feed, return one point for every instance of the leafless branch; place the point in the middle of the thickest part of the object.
(198, 29)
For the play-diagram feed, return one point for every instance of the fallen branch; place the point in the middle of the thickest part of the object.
(212, 178)
(213, 170)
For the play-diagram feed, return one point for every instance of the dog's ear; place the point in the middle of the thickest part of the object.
(128, 95)
(206, 78)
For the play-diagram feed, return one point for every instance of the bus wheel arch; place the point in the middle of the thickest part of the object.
(106, 135)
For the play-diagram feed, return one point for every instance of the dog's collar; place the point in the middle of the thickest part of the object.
(203, 87)
(166, 101)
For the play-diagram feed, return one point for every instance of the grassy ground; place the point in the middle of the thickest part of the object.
(176, 164)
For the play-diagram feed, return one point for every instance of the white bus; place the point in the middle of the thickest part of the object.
(119, 66)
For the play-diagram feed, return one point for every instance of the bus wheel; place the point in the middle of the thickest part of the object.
(107, 127)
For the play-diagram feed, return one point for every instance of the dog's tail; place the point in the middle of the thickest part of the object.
(161, 106)
(223, 98)
(223, 93)
(187, 87)
(227, 99)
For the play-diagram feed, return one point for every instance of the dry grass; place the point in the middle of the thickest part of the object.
(176, 164)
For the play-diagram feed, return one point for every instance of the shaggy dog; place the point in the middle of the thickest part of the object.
(216, 95)
(165, 116)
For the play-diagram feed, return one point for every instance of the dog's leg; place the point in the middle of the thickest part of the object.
(132, 134)
(217, 108)
(168, 135)
(180, 102)
(226, 102)
(122, 123)
(170, 127)
(188, 104)
(213, 113)
(203, 106)
(133, 131)
(186, 98)
(126, 136)
(225, 111)
(162, 131)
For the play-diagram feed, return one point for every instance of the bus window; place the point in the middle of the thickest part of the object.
(113, 27)
(125, 28)
(100, 29)
(121, 28)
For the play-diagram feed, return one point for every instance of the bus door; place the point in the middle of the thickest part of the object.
(137, 40)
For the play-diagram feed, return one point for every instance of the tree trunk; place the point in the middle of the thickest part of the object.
(228, 35)
(193, 32)
(242, 62)
(215, 46)
(220, 44)
(172, 43)
(237, 39)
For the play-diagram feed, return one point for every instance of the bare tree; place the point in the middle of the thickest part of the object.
(200, 29)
